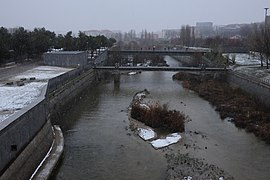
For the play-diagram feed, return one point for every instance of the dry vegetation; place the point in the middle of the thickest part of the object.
(158, 116)
(246, 111)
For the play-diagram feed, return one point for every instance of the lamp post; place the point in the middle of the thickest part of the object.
(265, 28)
(265, 20)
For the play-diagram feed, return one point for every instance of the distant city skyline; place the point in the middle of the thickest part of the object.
(123, 15)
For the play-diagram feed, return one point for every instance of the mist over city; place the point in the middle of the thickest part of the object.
(124, 15)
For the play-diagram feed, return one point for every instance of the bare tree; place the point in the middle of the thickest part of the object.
(256, 41)
(260, 42)
(266, 44)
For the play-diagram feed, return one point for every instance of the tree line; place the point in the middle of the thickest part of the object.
(24, 44)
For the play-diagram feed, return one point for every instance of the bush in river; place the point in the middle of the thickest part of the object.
(158, 116)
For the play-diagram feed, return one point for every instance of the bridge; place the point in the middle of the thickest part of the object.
(141, 68)
(185, 52)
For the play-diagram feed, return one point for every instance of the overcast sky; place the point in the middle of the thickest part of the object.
(153, 15)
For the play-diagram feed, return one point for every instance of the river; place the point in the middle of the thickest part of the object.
(99, 144)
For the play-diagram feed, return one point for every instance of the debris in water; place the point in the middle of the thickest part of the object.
(188, 178)
(132, 73)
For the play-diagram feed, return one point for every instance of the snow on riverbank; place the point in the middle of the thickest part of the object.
(13, 97)
(170, 139)
(42, 73)
(244, 59)
(146, 134)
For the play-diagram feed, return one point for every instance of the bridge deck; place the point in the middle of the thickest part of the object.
(161, 52)
(140, 68)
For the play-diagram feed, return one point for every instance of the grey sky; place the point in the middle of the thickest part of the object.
(64, 15)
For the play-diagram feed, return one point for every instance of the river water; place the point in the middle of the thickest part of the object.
(99, 144)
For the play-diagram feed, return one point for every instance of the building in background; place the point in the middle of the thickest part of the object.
(170, 33)
(230, 30)
(65, 58)
(204, 30)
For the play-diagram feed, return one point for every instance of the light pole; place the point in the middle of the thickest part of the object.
(265, 28)
(265, 20)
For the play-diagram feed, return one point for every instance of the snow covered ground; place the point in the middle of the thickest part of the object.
(250, 65)
(244, 59)
(170, 139)
(14, 97)
(42, 73)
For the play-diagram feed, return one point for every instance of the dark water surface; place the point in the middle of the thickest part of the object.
(99, 144)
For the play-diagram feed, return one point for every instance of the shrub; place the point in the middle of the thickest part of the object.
(158, 116)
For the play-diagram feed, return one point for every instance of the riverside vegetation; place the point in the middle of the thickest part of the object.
(231, 102)
(158, 116)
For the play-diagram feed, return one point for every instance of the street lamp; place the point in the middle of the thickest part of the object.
(265, 20)
(266, 9)
(265, 24)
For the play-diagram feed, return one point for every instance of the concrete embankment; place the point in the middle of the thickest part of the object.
(27, 136)
(251, 85)
(46, 167)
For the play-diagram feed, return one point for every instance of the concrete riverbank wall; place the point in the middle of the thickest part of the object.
(253, 86)
(63, 92)
(21, 137)
(27, 136)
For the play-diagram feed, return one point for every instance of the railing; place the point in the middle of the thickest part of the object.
(141, 68)
(262, 82)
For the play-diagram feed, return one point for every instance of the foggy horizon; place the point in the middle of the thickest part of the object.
(124, 15)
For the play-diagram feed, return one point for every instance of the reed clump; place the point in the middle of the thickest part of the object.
(156, 115)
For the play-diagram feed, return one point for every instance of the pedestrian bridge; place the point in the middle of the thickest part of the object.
(141, 68)
(185, 52)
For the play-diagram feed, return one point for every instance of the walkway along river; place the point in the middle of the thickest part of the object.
(99, 144)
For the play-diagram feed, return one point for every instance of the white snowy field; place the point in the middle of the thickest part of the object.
(244, 59)
(42, 73)
(13, 97)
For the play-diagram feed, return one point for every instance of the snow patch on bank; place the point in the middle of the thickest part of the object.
(244, 59)
(146, 134)
(13, 98)
(170, 139)
(42, 73)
